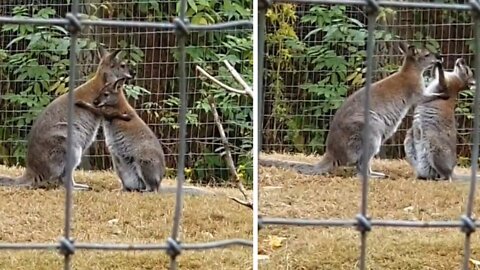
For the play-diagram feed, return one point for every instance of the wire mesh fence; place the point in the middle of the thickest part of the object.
(153, 54)
(317, 30)
(66, 35)
(319, 85)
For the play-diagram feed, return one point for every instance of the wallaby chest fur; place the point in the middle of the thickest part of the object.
(430, 144)
(137, 155)
(134, 147)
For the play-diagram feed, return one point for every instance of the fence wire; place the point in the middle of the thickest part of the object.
(362, 222)
(182, 28)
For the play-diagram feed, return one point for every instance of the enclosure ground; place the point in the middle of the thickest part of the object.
(109, 216)
(284, 193)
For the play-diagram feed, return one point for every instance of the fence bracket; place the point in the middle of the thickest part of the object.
(475, 7)
(74, 24)
(181, 26)
(468, 225)
(372, 7)
(363, 223)
(174, 248)
(260, 222)
(67, 246)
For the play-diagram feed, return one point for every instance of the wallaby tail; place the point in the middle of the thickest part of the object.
(190, 190)
(325, 165)
(21, 181)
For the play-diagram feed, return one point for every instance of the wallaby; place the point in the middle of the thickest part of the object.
(391, 98)
(137, 155)
(46, 157)
(430, 144)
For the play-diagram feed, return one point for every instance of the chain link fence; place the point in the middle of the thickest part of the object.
(279, 69)
(55, 21)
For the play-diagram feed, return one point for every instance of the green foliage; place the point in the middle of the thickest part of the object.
(236, 110)
(327, 70)
(39, 72)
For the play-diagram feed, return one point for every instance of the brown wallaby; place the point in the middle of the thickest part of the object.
(47, 141)
(391, 98)
(430, 144)
(137, 155)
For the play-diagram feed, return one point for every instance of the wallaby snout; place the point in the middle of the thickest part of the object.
(132, 73)
(127, 75)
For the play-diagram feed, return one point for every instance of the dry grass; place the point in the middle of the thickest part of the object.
(37, 216)
(284, 193)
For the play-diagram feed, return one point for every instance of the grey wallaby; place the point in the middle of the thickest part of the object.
(391, 98)
(46, 156)
(430, 144)
(137, 155)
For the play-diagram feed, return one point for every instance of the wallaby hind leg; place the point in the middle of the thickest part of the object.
(77, 155)
(374, 144)
(58, 166)
(374, 174)
(126, 169)
(417, 154)
(152, 175)
(442, 163)
(117, 169)
(409, 147)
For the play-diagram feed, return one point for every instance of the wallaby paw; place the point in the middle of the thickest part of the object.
(81, 187)
(145, 191)
(377, 175)
(373, 175)
(309, 171)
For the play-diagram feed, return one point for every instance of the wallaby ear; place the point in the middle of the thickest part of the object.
(412, 51)
(436, 69)
(101, 50)
(119, 84)
(407, 49)
(114, 54)
(403, 47)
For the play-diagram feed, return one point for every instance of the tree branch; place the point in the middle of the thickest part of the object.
(228, 157)
(247, 90)
(239, 79)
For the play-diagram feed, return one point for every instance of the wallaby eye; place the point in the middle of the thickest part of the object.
(123, 65)
(427, 55)
(105, 94)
